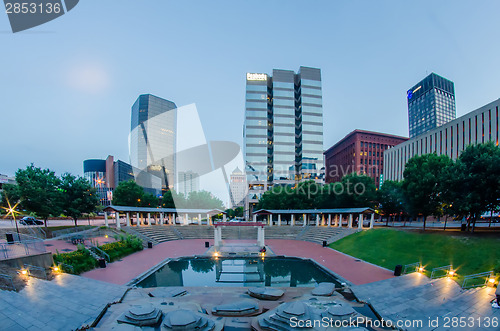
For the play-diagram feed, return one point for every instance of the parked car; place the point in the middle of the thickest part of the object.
(30, 220)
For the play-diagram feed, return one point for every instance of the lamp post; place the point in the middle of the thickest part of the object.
(12, 211)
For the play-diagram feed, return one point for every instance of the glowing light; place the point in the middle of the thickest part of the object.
(251, 76)
(24, 271)
(262, 254)
(491, 280)
(56, 269)
(421, 269)
(216, 254)
(106, 236)
(451, 273)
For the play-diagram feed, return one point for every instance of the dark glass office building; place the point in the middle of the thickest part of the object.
(153, 137)
(283, 130)
(431, 103)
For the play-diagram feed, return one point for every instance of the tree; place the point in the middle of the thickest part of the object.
(11, 192)
(128, 193)
(422, 185)
(239, 211)
(391, 198)
(203, 200)
(472, 184)
(78, 197)
(38, 190)
(149, 200)
(172, 199)
(357, 191)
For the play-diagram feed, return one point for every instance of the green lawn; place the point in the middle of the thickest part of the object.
(388, 248)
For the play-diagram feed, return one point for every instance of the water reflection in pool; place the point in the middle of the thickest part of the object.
(271, 271)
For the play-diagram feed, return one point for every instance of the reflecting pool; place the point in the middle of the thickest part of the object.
(269, 271)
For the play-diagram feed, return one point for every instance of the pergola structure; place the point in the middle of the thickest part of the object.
(318, 216)
(166, 215)
(219, 225)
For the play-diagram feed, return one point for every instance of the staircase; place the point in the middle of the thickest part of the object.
(154, 233)
(318, 234)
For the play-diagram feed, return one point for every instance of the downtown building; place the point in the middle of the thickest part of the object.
(153, 138)
(360, 152)
(238, 188)
(477, 127)
(283, 129)
(105, 175)
(187, 182)
(431, 103)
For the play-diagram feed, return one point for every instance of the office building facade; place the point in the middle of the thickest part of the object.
(238, 188)
(431, 103)
(360, 152)
(476, 127)
(283, 130)
(153, 138)
(105, 175)
(188, 182)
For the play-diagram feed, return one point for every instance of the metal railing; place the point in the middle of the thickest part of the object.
(468, 279)
(412, 267)
(436, 271)
(23, 245)
(7, 282)
(70, 231)
(100, 253)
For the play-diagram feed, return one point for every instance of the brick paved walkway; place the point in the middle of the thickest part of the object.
(351, 269)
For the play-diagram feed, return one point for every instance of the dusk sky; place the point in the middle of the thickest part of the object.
(68, 85)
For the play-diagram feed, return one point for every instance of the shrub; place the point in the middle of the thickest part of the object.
(125, 245)
(80, 260)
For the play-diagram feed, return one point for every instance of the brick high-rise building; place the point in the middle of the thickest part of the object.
(361, 152)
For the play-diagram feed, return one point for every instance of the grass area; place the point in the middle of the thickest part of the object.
(388, 248)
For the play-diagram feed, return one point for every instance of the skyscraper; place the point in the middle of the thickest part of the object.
(153, 137)
(431, 103)
(238, 187)
(188, 182)
(283, 129)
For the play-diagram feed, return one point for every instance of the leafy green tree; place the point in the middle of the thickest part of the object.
(329, 197)
(11, 192)
(149, 200)
(276, 198)
(202, 200)
(391, 198)
(238, 212)
(38, 190)
(357, 191)
(422, 186)
(230, 213)
(78, 197)
(172, 199)
(128, 193)
(472, 184)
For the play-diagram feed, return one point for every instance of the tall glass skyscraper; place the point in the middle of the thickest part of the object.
(283, 129)
(153, 137)
(431, 103)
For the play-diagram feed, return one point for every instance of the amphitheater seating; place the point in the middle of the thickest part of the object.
(161, 233)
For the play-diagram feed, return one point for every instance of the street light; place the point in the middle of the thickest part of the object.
(11, 210)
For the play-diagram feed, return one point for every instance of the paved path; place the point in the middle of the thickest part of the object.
(415, 298)
(65, 303)
(123, 271)
(62, 246)
(353, 270)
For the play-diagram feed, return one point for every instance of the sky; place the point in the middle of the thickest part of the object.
(68, 85)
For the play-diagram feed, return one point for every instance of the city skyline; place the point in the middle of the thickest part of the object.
(68, 92)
